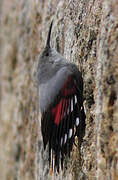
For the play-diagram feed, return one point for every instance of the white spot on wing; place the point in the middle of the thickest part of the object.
(70, 133)
(71, 105)
(65, 138)
(75, 99)
(77, 121)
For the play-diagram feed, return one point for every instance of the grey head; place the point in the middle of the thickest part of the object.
(50, 61)
(49, 54)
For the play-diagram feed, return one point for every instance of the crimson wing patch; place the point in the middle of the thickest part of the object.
(62, 121)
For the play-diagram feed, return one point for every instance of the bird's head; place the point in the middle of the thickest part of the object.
(49, 53)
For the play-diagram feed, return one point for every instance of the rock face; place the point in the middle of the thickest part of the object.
(86, 33)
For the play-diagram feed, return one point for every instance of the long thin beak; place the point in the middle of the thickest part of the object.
(49, 35)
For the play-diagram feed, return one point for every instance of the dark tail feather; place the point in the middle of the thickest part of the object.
(62, 158)
(57, 158)
(49, 153)
(49, 35)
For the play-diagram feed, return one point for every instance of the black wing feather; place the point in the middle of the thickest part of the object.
(60, 119)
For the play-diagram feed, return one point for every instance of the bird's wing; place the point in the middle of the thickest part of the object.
(63, 119)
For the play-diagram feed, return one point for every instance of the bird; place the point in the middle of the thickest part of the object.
(60, 92)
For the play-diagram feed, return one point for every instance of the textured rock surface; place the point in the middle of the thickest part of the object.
(86, 33)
